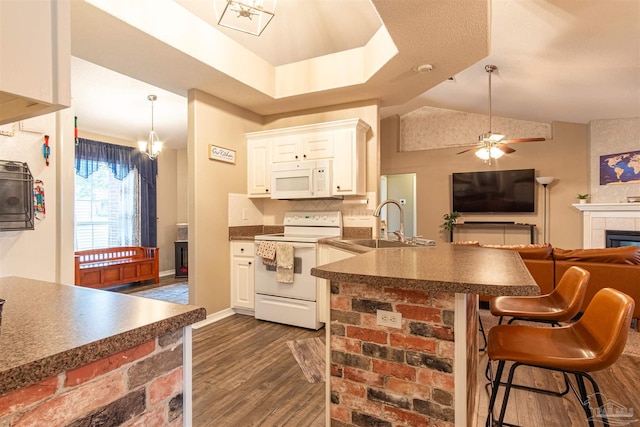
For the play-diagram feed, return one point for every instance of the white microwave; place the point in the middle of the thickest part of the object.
(309, 179)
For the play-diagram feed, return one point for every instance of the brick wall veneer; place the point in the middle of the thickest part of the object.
(383, 376)
(141, 386)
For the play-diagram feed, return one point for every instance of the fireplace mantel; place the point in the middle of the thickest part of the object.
(598, 217)
(608, 207)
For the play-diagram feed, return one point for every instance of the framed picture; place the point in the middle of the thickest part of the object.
(222, 154)
(8, 130)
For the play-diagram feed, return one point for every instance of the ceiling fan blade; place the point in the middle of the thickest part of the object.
(467, 150)
(516, 140)
(506, 149)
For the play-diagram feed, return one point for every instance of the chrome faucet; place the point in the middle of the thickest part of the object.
(399, 233)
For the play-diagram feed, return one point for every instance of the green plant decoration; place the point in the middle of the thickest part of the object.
(450, 220)
(583, 196)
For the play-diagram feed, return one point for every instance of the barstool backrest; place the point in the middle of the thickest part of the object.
(606, 320)
(571, 291)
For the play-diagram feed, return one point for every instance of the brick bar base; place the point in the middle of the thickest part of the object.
(141, 386)
(382, 376)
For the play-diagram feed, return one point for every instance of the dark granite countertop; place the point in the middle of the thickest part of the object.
(48, 328)
(445, 268)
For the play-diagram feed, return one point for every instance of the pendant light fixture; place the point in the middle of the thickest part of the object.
(153, 146)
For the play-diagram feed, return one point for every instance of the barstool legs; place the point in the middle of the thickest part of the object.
(581, 393)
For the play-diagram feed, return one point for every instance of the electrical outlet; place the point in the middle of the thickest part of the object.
(389, 318)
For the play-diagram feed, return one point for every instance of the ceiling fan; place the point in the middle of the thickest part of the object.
(493, 145)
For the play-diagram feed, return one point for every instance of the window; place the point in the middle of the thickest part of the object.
(106, 210)
(115, 196)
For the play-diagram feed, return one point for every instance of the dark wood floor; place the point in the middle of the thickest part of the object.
(245, 375)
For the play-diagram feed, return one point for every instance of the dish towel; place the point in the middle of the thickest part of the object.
(267, 250)
(284, 260)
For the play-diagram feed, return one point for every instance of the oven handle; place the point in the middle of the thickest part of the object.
(299, 245)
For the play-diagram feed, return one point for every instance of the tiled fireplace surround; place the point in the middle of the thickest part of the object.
(599, 217)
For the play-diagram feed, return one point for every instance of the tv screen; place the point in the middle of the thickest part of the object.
(494, 191)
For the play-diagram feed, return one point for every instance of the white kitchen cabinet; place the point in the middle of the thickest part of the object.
(327, 254)
(258, 167)
(35, 58)
(343, 141)
(350, 160)
(307, 145)
(242, 276)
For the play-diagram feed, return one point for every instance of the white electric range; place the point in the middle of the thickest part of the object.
(295, 303)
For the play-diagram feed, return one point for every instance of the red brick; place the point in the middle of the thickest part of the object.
(369, 335)
(354, 389)
(364, 377)
(166, 386)
(407, 418)
(446, 349)
(336, 370)
(346, 344)
(368, 320)
(340, 413)
(77, 401)
(409, 389)
(111, 363)
(360, 291)
(425, 345)
(361, 405)
(405, 295)
(396, 370)
(444, 301)
(436, 379)
(156, 417)
(340, 302)
(417, 312)
(442, 423)
(21, 398)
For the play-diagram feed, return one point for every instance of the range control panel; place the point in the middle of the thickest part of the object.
(313, 219)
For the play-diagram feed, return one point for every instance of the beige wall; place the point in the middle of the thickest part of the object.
(213, 121)
(564, 157)
(182, 199)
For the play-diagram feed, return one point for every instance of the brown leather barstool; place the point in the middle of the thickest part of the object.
(591, 344)
(561, 305)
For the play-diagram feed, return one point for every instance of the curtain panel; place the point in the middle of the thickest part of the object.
(122, 160)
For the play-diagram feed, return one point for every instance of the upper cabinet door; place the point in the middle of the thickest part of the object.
(35, 58)
(258, 167)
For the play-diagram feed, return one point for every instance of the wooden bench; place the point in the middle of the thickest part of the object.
(101, 268)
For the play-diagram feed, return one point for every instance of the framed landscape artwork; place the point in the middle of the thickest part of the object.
(621, 168)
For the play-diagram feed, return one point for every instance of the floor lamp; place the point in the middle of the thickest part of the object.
(544, 181)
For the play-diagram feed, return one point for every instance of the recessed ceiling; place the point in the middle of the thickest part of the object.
(564, 60)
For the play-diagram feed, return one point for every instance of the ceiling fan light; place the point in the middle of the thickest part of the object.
(495, 153)
(483, 153)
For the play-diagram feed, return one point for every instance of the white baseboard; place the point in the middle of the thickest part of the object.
(167, 273)
(214, 317)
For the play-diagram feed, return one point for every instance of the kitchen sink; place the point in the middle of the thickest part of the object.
(380, 243)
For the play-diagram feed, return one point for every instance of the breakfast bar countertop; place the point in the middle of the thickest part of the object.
(48, 328)
(437, 269)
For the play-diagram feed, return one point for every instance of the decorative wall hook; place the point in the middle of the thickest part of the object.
(46, 150)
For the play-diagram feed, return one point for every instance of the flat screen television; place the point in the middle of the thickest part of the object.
(494, 191)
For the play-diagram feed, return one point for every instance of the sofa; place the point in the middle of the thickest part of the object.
(617, 268)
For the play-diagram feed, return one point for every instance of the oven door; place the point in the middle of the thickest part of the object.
(304, 284)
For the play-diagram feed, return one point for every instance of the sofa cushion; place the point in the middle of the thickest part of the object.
(621, 255)
(533, 251)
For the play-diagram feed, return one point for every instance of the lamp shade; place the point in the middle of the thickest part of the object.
(545, 180)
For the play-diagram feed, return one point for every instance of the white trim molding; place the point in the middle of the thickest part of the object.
(598, 217)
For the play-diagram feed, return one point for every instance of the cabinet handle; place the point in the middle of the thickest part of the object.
(249, 262)
(241, 249)
(338, 187)
(304, 155)
(296, 157)
(267, 190)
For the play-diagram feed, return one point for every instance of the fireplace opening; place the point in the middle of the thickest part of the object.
(617, 238)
